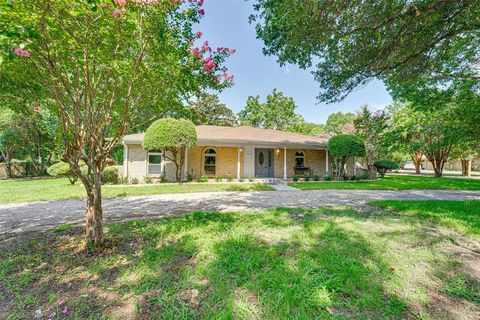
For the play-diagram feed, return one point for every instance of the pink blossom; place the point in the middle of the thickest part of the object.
(21, 53)
(65, 311)
(117, 13)
(175, 2)
(205, 47)
(201, 12)
(109, 119)
(104, 5)
(198, 35)
(200, 2)
(196, 53)
(208, 64)
(121, 3)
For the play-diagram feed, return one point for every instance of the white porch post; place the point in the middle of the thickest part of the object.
(326, 162)
(284, 162)
(238, 162)
(185, 165)
(125, 160)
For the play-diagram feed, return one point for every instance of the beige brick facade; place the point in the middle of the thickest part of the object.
(226, 161)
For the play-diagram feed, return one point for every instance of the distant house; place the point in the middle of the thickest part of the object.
(234, 151)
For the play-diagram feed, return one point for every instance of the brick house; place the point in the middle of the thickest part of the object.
(234, 151)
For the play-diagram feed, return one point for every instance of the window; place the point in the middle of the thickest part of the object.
(154, 163)
(299, 159)
(209, 161)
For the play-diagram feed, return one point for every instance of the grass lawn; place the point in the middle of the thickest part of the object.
(331, 263)
(460, 215)
(14, 191)
(395, 182)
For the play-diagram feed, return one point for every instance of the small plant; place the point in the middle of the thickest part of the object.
(123, 180)
(218, 178)
(134, 181)
(383, 166)
(163, 179)
(110, 175)
(190, 177)
(229, 178)
(242, 179)
(306, 178)
(148, 180)
(251, 179)
(328, 177)
(316, 177)
(63, 228)
(363, 176)
(296, 177)
(203, 178)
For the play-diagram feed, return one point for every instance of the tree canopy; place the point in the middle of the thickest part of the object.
(344, 146)
(277, 112)
(208, 110)
(338, 122)
(170, 133)
(349, 43)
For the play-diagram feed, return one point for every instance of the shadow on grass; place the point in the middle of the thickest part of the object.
(274, 264)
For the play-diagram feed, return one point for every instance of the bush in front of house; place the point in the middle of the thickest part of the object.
(218, 178)
(110, 175)
(344, 146)
(203, 178)
(296, 177)
(62, 169)
(172, 136)
(383, 166)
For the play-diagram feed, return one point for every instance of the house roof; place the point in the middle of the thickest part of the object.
(217, 135)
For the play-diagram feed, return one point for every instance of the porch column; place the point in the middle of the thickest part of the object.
(354, 166)
(284, 162)
(125, 160)
(238, 162)
(326, 161)
(185, 165)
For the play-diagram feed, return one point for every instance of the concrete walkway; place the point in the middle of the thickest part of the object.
(39, 216)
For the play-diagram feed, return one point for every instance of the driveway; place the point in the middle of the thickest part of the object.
(40, 216)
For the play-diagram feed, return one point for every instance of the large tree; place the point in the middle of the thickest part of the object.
(208, 110)
(372, 127)
(339, 122)
(277, 112)
(103, 62)
(349, 43)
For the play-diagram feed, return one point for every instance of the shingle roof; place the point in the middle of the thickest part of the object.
(245, 135)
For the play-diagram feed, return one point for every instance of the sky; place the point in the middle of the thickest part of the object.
(225, 24)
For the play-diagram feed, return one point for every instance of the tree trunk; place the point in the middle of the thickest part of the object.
(438, 167)
(417, 161)
(466, 168)
(94, 214)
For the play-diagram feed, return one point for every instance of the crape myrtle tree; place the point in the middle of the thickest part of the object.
(171, 137)
(349, 43)
(342, 147)
(372, 127)
(433, 133)
(103, 62)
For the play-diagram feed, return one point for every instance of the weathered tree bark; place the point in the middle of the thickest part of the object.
(438, 167)
(466, 167)
(94, 214)
(417, 161)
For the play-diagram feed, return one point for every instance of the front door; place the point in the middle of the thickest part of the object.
(264, 163)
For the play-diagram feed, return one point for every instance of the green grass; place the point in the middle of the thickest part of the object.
(28, 190)
(331, 263)
(395, 182)
(463, 216)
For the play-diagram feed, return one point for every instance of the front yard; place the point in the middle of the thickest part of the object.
(16, 191)
(395, 182)
(330, 263)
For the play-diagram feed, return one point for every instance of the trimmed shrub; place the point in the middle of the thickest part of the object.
(316, 177)
(171, 135)
(383, 166)
(134, 181)
(218, 178)
(62, 169)
(203, 178)
(229, 178)
(148, 180)
(296, 177)
(251, 179)
(110, 175)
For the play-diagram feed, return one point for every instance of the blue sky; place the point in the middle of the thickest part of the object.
(226, 24)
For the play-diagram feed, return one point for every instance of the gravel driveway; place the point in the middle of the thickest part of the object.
(40, 216)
